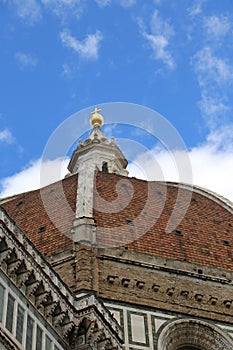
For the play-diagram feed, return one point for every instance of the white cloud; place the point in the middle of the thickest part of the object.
(31, 10)
(110, 129)
(211, 167)
(123, 3)
(196, 8)
(158, 44)
(103, 3)
(26, 59)
(212, 68)
(6, 136)
(159, 37)
(214, 75)
(160, 26)
(62, 8)
(216, 27)
(221, 139)
(67, 71)
(212, 106)
(127, 3)
(87, 48)
(30, 177)
(28, 10)
(212, 164)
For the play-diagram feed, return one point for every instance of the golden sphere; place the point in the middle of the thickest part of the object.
(96, 118)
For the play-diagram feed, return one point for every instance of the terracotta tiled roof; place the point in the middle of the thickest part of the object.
(204, 236)
(125, 217)
(27, 210)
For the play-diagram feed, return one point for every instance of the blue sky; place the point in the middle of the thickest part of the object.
(61, 56)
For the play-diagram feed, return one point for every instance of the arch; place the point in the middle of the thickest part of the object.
(185, 334)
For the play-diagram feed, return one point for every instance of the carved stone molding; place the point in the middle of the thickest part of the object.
(6, 343)
(42, 287)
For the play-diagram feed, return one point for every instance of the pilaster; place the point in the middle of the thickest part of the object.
(86, 267)
(84, 230)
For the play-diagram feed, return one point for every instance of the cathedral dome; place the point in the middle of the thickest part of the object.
(111, 258)
(125, 218)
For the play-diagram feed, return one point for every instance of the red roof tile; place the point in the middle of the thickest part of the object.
(27, 210)
(126, 217)
(204, 236)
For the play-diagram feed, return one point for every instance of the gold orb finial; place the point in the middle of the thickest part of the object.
(96, 118)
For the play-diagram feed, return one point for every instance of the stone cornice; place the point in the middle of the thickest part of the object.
(165, 288)
(166, 265)
(42, 287)
(167, 269)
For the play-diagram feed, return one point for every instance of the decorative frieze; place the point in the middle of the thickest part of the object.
(143, 285)
(185, 294)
